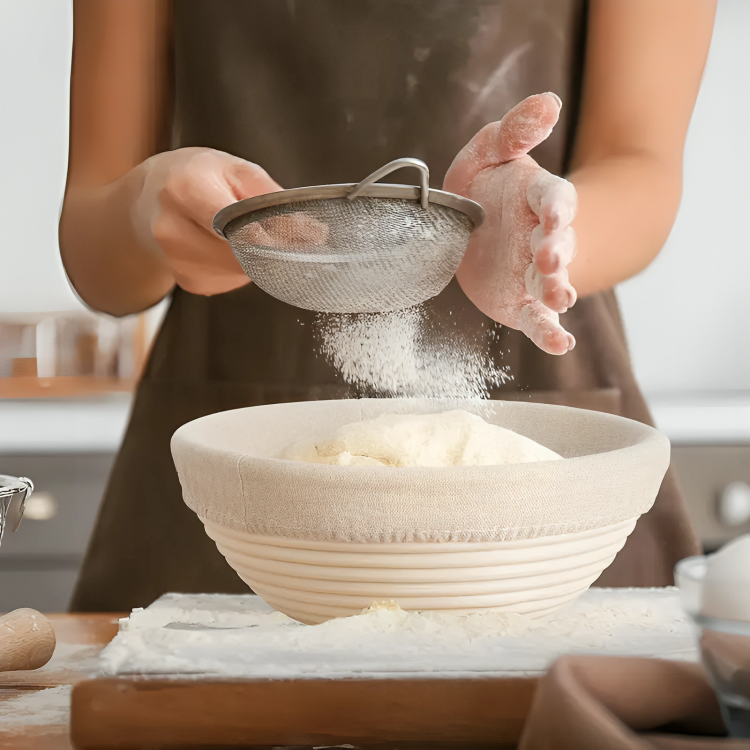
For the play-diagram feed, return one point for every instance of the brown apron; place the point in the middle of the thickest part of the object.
(324, 91)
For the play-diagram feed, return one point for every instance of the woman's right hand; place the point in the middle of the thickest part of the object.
(180, 191)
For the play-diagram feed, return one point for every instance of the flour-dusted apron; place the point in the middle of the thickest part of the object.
(325, 91)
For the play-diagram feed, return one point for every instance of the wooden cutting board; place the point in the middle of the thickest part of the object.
(120, 713)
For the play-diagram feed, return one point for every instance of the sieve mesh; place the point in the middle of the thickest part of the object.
(370, 254)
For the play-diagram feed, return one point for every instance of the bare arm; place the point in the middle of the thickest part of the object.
(136, 219)
(118, 118)
(644, 63)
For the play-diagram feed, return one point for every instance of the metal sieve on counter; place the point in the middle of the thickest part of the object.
(14, 492)
(352, 248)
(27, 639)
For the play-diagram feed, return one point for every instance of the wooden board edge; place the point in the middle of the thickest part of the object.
(133, 712)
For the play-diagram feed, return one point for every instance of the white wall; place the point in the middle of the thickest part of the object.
(688, 314)
(35, 43)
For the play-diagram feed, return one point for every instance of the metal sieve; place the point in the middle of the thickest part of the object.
(14, 492)
(352, 248)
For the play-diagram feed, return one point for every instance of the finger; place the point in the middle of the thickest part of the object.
(248, 180)
(553, 199)
(210, 181)
(528, 124)
(296, 231)
(552, 251)
(525, 126)
(202, 263)
(198, 193)
(182, 238)
(543, 327)
(553, 291)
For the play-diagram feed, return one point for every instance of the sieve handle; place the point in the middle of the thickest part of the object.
(424, 178)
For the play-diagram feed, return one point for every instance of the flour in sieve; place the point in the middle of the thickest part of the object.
(397, 354)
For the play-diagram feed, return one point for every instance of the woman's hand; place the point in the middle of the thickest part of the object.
(515, 267)
(181, 191)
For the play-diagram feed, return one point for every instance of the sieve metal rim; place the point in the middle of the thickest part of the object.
(470, 208)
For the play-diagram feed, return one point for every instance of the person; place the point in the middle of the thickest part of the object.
(178, 110)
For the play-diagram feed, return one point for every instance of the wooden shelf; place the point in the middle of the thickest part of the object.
(63, 387)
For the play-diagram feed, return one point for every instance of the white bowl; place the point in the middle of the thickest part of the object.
(724, 643)
(318, 541)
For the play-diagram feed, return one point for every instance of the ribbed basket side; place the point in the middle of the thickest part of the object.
(316, 581)
(314, 614)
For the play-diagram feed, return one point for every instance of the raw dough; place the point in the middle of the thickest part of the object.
(726, 587)
(453, 438)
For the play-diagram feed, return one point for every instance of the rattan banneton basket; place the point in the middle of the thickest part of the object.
(318, 541)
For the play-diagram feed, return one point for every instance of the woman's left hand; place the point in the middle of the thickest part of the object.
(515, 267)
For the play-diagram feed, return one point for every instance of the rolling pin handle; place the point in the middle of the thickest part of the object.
(27, 640)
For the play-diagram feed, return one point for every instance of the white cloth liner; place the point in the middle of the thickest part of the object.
(231, 474)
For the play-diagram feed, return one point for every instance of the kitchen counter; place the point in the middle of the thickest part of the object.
(96, 424)
(331, 703)
(346, 699)
(34, 705)
(703, 418)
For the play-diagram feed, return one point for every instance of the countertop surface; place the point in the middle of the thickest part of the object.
(703, 418)
(35, 705)
(96, 424)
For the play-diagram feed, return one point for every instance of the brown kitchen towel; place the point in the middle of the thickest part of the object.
(618, 703)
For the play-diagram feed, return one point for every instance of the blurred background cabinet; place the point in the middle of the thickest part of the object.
(67, 447)
(40, 562)
(716, 481)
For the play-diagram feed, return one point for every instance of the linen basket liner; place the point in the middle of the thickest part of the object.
(229, 467)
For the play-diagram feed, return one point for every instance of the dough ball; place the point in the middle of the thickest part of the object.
(453, 438)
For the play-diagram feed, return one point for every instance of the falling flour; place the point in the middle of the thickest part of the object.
(395, 354)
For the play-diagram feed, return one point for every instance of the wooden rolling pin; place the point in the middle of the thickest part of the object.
(27, 640)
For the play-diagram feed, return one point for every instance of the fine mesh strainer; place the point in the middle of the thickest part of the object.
(369, 247)
(14, 492)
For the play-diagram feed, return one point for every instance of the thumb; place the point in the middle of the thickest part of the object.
(246, 180)
(524, 127)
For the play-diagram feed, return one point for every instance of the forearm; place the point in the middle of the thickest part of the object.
(111, 268)
(626, 209)
(644, 62)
